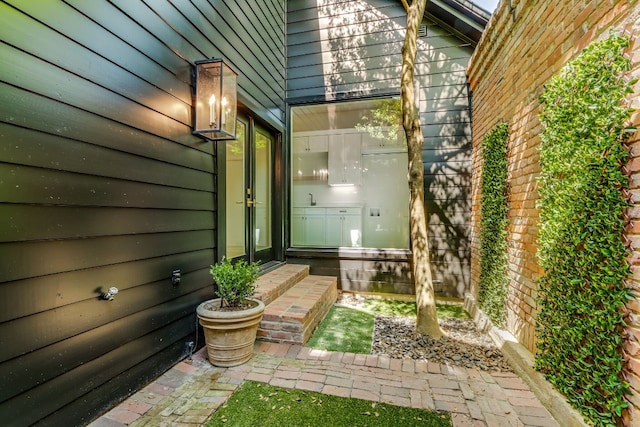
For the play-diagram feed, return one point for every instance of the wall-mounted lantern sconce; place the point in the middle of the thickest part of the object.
(215, 101)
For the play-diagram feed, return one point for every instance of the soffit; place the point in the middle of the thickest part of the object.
(464, 18)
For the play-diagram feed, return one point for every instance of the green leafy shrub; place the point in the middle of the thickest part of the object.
(493, 278)
(581, 250)
(235, 282)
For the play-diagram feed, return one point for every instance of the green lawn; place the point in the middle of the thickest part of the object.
(390, 307)
(344, 329)
(258, 404)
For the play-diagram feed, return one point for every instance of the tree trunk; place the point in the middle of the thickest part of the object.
(426, 320)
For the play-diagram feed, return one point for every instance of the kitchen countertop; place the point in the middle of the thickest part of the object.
(331, 205)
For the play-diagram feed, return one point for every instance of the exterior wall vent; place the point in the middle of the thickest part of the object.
(422, 31)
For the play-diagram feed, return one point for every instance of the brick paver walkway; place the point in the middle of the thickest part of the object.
(189, 393)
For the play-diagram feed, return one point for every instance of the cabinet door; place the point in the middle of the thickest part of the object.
(399, 144)
(334, 230)
(369, 143)
(318, 143)
(297, 229)
(345, 159)
(352, 157)
(300, 144)
(384, 145)
(307, 226)
(336, 160)
(314, 230)
(344, 227)
(352, 230)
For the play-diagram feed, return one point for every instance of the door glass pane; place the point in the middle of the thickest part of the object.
(262, 191)
(235, 177)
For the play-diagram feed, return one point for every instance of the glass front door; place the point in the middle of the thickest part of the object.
(249, 187)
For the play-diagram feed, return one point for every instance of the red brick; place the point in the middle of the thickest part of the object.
(336, 390)
(136, 406)
(507, 72)
(277, 335)
(313, 377)
(309, 386)
(357, 393)
(122, 415)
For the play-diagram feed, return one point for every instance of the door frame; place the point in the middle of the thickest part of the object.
(278, 190)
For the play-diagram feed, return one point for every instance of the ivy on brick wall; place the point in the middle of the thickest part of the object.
(581, 247)
(493, 225)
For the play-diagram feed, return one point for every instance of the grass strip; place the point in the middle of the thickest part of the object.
(344, 329)
(390, 307)
(258, 404)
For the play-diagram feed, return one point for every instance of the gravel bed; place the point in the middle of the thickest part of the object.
(464, 346)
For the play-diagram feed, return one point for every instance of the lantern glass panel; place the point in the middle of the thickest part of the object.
(216, 100)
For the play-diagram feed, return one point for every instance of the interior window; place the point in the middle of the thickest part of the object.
(349, 175)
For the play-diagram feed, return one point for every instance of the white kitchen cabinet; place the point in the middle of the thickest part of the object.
(352, 230)
(333, 233)
(326, 227)
(318, 143)
(311, 143)
(344, 227)
(308, 226)
(345, 159)
(297, 227)
(384, 145)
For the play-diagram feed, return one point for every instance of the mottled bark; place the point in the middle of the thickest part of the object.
(426, 320)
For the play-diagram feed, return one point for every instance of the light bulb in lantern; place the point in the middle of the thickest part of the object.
(212, 110)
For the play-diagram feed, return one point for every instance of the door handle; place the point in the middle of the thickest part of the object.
(252, 203)
(249, 202)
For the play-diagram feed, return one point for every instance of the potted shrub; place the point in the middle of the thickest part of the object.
(230, 321)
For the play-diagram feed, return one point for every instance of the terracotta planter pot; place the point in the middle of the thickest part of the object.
(229, 335)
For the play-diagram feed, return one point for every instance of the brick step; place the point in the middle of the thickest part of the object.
(292, 318)
(275, 283)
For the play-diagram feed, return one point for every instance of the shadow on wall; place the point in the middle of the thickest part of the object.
(448, 201)
(361, 47)
(382, 275)
(392, 278)
(364, 45)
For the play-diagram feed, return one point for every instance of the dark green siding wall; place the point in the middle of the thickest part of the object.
(102, 184)
(341, 49)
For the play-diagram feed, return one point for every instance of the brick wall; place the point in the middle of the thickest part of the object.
(523, 45)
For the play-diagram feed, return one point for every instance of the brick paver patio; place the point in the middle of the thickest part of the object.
(191, 391)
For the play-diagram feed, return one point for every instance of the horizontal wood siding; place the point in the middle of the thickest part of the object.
(102, 184)
(341, 49)
(446, 125)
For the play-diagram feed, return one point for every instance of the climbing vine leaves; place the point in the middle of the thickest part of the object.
(493, 224)
(581, 249)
